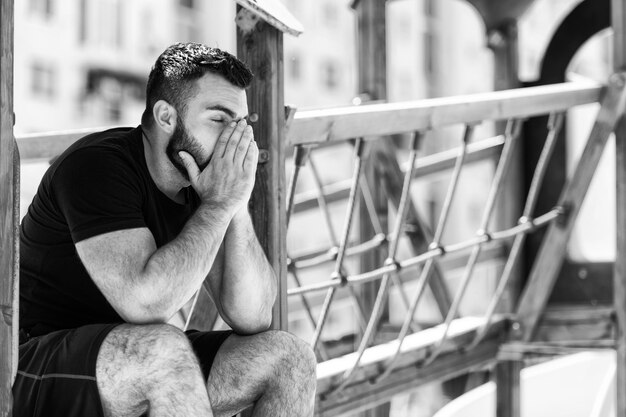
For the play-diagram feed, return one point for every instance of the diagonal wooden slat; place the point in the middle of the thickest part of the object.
(549, 259)
(420, 236)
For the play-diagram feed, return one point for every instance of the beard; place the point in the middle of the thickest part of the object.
(182, 140)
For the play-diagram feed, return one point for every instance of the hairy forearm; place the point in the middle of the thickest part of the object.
(176, 270)
(248, 288)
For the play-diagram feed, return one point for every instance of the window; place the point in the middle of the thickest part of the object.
(101, 23)
(41, 8)
(330, 75)
(189, 4)
(42, 80)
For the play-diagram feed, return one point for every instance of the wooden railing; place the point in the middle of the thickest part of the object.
(375, 372)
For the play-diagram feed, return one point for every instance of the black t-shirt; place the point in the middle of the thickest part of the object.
(100, 184)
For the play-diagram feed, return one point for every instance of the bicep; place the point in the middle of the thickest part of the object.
(115, 262)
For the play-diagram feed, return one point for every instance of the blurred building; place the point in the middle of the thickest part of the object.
(84, 63)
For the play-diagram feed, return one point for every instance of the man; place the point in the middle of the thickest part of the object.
(125, 227)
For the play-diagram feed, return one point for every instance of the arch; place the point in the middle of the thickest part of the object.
(587, 19)
(584, 21)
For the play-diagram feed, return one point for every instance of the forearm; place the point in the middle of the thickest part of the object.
(174, 272)
(248, 287)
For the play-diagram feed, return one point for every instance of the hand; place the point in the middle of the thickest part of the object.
(228, 179)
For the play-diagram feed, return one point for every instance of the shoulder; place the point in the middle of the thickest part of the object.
(101, 153)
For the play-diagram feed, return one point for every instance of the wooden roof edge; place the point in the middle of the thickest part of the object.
(274, 13)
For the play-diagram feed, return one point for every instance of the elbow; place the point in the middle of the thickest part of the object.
(248, 324)
(142, 310)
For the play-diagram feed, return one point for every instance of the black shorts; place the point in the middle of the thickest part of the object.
(57, 372)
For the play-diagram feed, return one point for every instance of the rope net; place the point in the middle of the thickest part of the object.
(317, 299)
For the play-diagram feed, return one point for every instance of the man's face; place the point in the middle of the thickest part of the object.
(212, 106)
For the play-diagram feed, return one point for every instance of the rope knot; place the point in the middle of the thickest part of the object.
(341, 277)
(438, 247)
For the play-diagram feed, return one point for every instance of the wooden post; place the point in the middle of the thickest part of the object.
(503, 41)
(260, 46)
(508, 388)
(550, 256)
(372, 83)
(8, 310)
(618, 14)
(505, 51)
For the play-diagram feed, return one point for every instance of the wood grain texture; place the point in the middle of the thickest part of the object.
(262, 50)
(508, 388)
(549, 259)
(337, 124)
(8, 313)
(618, 14)
(371, 18)
(362, 393)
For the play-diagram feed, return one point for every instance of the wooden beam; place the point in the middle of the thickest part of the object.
(337, 124)
(261, 47)
(509, 207)
(618, 14)
(508, 388)
(331, 125)
(575, 323)
(371, 19)
(421, 236)
(549, 259)
(362, 393)
(50, 144)
(8, 298)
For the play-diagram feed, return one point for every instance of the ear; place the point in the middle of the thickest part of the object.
(164, 116)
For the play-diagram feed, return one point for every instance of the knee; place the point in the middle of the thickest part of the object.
(152, 346)
(295, 356)
(167, 342)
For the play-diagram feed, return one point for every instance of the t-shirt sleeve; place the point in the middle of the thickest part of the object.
(98, 191)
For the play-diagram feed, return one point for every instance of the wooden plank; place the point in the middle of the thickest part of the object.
(261, 47)
(549, 259)
(508, 388)
(50, 144)
(8, 303)
(509, 208)
(618, 14)
(337, 124)
(371, 20)
(362, 393)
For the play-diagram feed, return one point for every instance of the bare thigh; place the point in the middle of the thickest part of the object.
(151, 366)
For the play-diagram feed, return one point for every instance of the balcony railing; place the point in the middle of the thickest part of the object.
(391, 359)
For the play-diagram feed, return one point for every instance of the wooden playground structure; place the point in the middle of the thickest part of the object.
(532, 236)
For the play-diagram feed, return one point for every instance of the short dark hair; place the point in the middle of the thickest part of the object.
(172, 76)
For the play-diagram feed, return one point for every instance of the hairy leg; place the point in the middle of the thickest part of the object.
(150, 368)
(273, 370)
